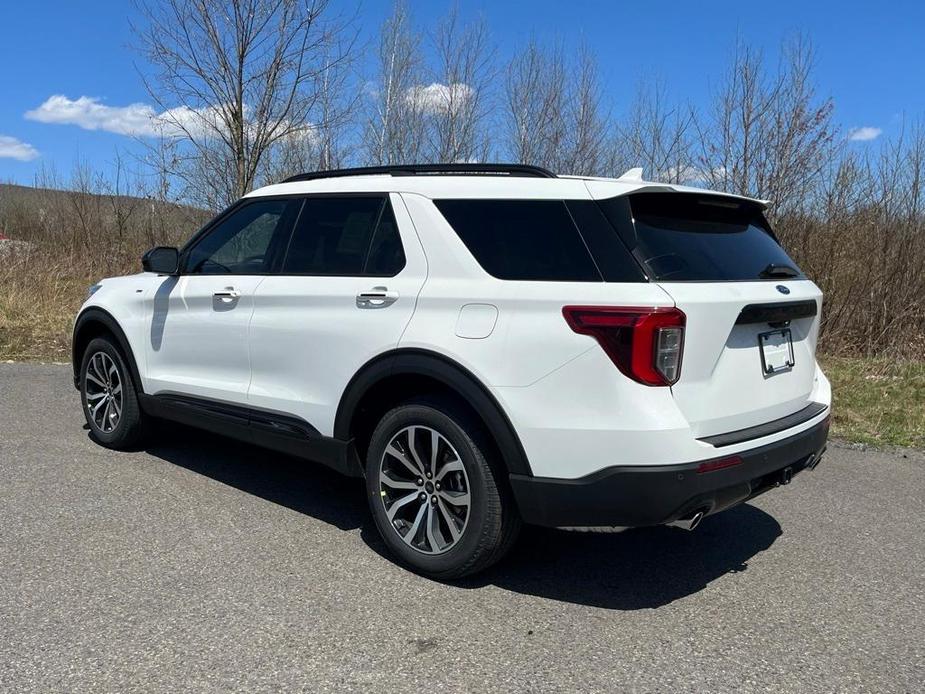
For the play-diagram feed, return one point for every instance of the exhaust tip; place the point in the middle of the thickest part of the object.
(687, 523)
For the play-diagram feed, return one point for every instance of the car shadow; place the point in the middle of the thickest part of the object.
(637, 569)
(296, 484)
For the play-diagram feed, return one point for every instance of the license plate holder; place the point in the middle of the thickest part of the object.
(776, 347)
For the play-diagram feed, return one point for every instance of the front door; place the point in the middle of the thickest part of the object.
(199, 321)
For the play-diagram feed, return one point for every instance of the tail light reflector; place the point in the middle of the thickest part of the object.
(718, 464)
(646, 344)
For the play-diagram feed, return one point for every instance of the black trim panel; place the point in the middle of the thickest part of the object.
(274, 430)
(442, 369)
(651, 495)
(85, 320)
(791, 420)
(782, 312)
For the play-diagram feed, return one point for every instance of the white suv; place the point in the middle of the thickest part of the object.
(486, 344)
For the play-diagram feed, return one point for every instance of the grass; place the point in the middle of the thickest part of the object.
(877, 401)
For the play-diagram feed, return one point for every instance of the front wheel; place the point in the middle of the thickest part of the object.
(436, 499)
(107, 393)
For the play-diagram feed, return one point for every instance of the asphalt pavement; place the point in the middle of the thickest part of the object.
(200, 564)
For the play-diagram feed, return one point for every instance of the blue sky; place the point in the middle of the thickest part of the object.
(869, 58)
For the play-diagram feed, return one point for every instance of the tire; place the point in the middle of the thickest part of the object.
(108, 397)
(422, 508)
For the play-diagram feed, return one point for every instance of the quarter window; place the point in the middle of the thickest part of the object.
(522, 239)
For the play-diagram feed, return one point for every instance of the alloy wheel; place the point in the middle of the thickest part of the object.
(103, 394)
(424, 490)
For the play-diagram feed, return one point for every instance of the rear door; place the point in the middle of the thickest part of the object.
(345, 292)
(752, 316)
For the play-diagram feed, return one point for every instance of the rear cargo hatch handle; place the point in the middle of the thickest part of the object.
(777, 313)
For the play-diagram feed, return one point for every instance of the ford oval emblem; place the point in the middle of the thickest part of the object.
(782, 289)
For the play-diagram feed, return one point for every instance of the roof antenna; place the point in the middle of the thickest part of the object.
(634, 174)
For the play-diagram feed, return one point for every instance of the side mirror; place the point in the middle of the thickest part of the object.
(164, 260)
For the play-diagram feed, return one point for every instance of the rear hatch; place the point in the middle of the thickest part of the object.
(752, 316)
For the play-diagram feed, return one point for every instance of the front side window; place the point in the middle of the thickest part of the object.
(245, 242)
(345, 236)
(522, 239)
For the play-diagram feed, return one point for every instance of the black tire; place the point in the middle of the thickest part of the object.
(493, 522)
(128, 429)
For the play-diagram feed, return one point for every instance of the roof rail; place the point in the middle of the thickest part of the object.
(430, 169)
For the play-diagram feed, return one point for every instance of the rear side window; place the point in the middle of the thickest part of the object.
(348, 236)
(522, 239)
(688, 237)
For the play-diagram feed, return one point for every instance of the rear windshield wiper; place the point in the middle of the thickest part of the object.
(773, 271)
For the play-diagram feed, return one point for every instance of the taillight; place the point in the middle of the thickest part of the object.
(646, 344)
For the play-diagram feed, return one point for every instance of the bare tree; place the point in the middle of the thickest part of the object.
(586, 117)
(656, 136)
(456, 105)
(554, 110)
(233, 78)
(768, 135)
(535, 105)
(394, 130)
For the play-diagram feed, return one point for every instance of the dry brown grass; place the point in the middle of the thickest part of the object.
(66, 242)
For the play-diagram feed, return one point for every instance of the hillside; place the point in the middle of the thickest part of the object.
(59, 242)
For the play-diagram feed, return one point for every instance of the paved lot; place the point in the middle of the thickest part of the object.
(202, 565)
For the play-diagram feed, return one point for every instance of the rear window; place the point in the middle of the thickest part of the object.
(688, 237)
(522, 239)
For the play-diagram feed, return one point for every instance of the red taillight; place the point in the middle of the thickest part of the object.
(719, 464)
(646, 344)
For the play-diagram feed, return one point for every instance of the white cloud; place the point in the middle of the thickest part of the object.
(137, 119)
(142, 120)
(864, 134)
(88, 113)
(439, 98)
(11, 148)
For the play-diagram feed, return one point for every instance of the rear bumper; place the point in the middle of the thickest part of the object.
(650, 495)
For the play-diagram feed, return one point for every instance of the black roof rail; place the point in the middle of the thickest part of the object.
(430, 169)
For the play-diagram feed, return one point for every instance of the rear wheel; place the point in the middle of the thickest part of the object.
(436, 499)
(107, 393)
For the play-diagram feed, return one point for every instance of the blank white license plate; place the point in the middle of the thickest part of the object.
(776, 350)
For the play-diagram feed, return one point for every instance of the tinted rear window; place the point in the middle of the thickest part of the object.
(688, 237)
(522, 239)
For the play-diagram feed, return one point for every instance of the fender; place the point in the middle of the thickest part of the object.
(85, 321)
(443, 369)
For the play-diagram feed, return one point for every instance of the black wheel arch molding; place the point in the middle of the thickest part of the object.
(86, 326)
(452, 375)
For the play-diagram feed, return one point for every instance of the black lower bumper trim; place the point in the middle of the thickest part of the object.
(814, 409)
(650, 495)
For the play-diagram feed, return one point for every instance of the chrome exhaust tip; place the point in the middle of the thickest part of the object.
(687, 523)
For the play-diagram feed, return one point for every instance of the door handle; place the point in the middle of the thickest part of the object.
(226, 294)
(377, 297)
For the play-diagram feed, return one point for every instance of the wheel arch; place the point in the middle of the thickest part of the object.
(370, 384)
(94, 322)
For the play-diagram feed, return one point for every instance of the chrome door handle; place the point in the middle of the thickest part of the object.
(377, 297)
(226, 294)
